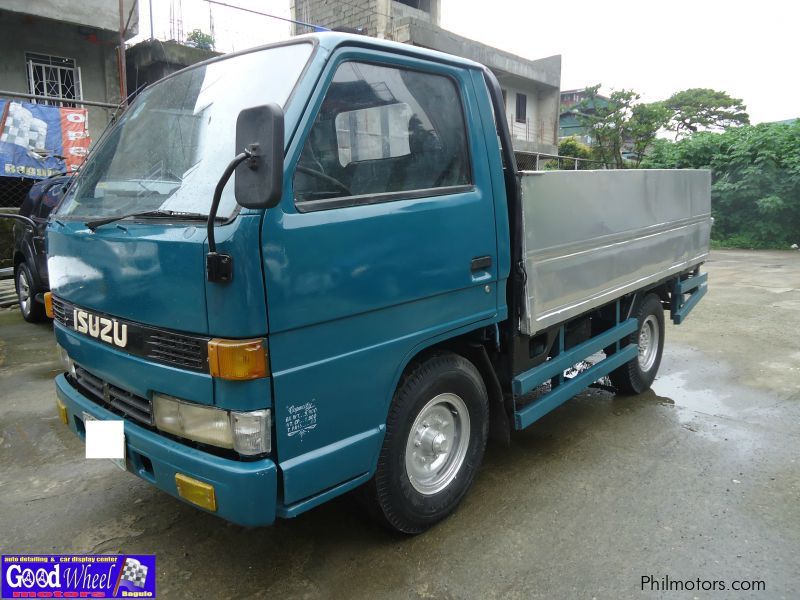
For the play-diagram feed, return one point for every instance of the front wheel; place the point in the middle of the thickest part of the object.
(436, 435)
(32, 311)
(637, 376)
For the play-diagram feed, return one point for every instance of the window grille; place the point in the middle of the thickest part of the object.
(59, 79)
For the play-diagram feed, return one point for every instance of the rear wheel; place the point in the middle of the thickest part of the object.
(637, 376)
(32, 311)
(436, 435)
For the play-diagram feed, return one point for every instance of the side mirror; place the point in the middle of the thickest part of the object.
(259, 180)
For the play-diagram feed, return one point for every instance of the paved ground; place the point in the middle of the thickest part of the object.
(697, 479)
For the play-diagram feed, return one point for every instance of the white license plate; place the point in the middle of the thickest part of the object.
(119, 462)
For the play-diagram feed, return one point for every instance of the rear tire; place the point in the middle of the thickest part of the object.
(637, 376)
(32, 311)
(435, 439)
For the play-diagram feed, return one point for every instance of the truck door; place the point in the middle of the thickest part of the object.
(384, 242)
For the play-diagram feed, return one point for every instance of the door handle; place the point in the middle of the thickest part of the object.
(481, 263)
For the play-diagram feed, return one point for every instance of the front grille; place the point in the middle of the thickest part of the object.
(180, 350)
(166, 347)
(116, 399)
(60, 313)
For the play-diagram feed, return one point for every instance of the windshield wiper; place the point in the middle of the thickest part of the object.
(147, 213)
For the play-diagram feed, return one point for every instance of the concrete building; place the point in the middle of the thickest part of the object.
(66, 51)
(530, 87)
(574, 105)
(151, 60)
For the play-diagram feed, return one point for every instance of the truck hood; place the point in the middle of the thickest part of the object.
(149, 273)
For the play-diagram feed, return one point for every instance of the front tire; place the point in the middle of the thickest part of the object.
(636, 376)
(32, 311)
(435, 439)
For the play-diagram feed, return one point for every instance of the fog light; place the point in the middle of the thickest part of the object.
(196, 492)
(62, 411)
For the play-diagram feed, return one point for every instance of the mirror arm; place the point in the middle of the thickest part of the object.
(219, 267)
(226, 175)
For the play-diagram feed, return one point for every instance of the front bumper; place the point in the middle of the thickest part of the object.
(246, 492)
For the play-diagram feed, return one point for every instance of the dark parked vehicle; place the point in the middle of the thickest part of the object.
(30, 258)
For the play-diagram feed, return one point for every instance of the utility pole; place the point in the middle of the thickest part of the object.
(123, 77)
(151, 20)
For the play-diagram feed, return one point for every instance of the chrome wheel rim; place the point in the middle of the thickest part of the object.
(24, 292)
(437, 444)
(648, 342)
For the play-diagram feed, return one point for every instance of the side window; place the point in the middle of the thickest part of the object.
(381, 130)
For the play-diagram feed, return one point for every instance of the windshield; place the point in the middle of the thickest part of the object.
(171, 146)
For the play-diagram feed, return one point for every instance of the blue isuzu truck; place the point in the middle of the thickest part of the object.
(310, 267)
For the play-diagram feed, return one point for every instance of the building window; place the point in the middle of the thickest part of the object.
(54, 77)
(424, 5)
(505, 96)
(522, 108)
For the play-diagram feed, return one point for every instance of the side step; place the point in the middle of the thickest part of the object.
(696, 287)
(566, 389)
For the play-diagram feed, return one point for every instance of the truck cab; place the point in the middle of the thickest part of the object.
(342, 312)
(382, 243)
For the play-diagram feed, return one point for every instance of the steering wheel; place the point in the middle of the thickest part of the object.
(326, 178)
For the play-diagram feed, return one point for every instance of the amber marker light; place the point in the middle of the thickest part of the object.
(238, 360)
(48, 304)
(195, 491)
(62, 411)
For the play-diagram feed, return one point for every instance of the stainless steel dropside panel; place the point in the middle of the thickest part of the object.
(593, 236)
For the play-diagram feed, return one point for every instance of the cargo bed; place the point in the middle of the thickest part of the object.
(590, 237)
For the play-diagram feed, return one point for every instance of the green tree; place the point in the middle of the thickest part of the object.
(200, 39)
(698, 109)
(755, 191)
(620, 124)
(573, 148)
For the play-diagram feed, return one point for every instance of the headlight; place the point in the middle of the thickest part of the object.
(66, 362)
(248, 433)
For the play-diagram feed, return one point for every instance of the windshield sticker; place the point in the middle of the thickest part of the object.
(301, 419)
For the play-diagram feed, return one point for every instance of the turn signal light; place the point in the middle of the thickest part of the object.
(48, 304)
(238, 360)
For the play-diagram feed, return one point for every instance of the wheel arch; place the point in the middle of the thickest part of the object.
(19, 258)
(471, 345)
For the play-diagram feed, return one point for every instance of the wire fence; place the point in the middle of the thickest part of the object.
(13, 190)
(539, 161)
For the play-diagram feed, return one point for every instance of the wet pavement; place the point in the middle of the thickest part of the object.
(698, 478)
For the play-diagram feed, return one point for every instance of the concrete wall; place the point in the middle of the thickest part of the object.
(99, 14)
(376, 18)
(539, 131)
(546, 71)
(402, 11)
(151, 60)
(94, 54)
(332, 13)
